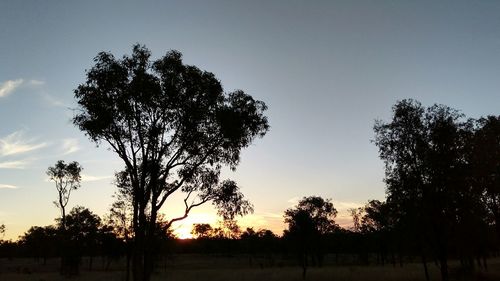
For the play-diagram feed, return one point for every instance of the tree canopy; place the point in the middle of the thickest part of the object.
(67, 178)
(313, 214)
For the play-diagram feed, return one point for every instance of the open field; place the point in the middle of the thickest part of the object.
(201, 268)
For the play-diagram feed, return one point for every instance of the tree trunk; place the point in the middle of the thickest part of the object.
(444, 268)
(138, 244)
(496, 214)
(304, 265)
(426, 270)
(149, 246)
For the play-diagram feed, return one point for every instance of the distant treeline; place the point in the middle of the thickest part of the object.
(369, 242)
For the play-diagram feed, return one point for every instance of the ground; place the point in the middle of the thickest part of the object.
(220, 268)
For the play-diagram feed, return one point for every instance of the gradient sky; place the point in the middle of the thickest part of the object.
(326, 69)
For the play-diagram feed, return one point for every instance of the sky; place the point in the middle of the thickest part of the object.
(326, 70)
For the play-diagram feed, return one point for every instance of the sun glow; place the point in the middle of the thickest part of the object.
(182, 229)
(183, 232)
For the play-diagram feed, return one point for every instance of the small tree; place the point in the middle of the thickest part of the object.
(2, 229)
(67, 178)
(227, 229)
(356, 214)
(120, 217)
(83, 227)
(202, 230)
(312, 218)
(121, 211)
(320, 212)
(41, 242)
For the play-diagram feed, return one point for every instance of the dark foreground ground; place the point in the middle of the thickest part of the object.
(220, 268)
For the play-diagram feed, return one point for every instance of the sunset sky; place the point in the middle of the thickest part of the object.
(326, 70)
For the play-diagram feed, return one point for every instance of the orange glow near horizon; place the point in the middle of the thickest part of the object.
(183, 232)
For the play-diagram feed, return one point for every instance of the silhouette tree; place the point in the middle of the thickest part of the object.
(174, 128)
(120, 217)
(320, 211)
(2, 229)
(41, 242)
(423, 150)
(202, 230)
(377, 222)
(110, 245)
(67, 178)
(376, 216)
(485, 164)
(356, 214)
(227, 229)
(83, 229)
(312, 218)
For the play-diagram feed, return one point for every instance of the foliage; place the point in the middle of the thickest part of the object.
(226, 229)
(202, 230)
(120, 216)
(485, 159)
(428, 174)
(83, 226)
(41, 242)
(2, 229)
(312, 215)
(356, 214)
(376, 217)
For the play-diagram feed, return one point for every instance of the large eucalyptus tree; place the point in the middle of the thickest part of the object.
(174, 128)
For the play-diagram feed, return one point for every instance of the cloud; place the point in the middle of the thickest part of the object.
(14, 164)
(270, 215)
(70, 146)
(340, 205)
(7, 186)
(15, 143)
(36, 82)
(52, 100)
(9, 86)
(294, 200)
(88, 178)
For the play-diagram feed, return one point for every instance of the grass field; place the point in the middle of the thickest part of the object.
(209, 268)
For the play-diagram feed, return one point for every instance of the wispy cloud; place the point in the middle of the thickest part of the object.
(7, 186)
(70, 146)
(270, 215)
(294, 200)
(16, 143)
(9, 86)
(14, 164)
(87, 178)
(52, 100)
(341, 205)
(36, 82)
